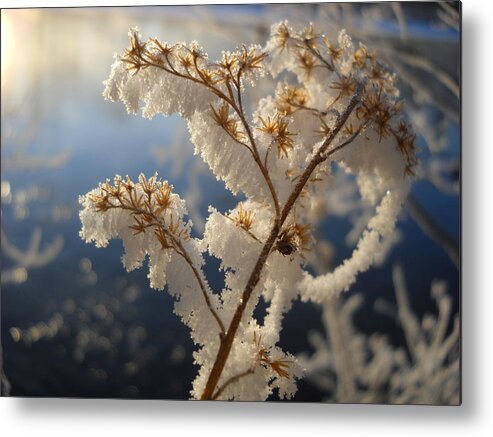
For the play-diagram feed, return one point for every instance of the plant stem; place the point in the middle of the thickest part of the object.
(231, 380)
(186, 257)
(320, 156)
(263, 168)
(180, 250)
(433, 230)
(237, 107)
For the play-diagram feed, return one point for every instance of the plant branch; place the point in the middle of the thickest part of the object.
(200, 81)
(306, 44)
(185, 256)
(317, 54)
(346, 387)
(230, 381)
(320, 156)
(178, 247)
(250, 233)
(433, 229)
(262, 167)
(425, 65)
(237, 107)
(315, 110)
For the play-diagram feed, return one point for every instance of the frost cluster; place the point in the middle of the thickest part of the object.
(334, 105)
(351, 367)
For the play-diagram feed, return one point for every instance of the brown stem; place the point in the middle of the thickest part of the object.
(317, 54)
(320, 156)
(250, 233)
(185, 255)
(200, 81)
(231, 381)
(316, 111)
(241, 143)
(182, 252)
(306, 44)
(256, 155)
(239, 110)
(266, 157)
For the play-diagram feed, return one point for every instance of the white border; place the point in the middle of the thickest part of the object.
(68, 3)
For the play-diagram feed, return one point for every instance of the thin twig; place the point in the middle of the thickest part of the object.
(263, 169)
(250, 233)
(238, 108)
(316, 53)
(433, 230)
(345, 143)
(231, 381)
(181, 251)
(425, 65)
(185, 256)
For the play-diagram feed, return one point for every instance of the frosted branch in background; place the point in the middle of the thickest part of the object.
(32, 257)
(351, 366)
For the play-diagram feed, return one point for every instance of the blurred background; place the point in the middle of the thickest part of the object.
(74, 323)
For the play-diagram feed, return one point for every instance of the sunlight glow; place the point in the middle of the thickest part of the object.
(7, 43)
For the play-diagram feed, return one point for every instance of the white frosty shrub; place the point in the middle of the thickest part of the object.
(341, 111)
(352, 367)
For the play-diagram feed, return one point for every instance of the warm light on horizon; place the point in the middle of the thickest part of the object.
(7, 44)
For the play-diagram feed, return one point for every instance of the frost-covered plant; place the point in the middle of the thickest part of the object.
(353, 367)
(334, 105)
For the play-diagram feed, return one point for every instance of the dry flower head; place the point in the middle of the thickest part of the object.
(148, 201)
(294, 238)
(280, 367)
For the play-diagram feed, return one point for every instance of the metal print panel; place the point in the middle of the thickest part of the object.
(248, 202)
